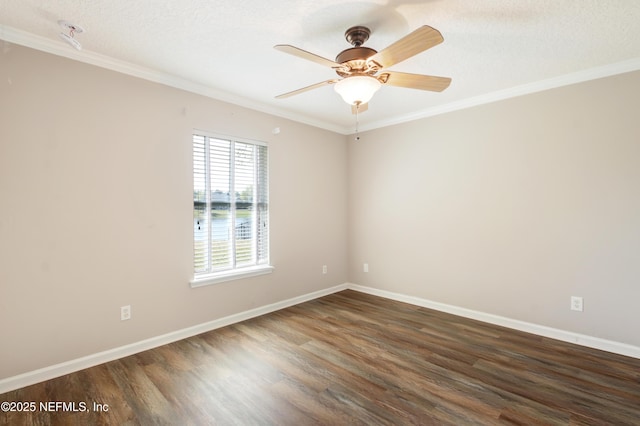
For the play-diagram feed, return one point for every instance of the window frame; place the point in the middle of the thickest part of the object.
(235, 272)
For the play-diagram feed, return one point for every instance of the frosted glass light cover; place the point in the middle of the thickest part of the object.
(357, 89)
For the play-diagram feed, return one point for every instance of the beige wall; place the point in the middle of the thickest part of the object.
(509, 208)
(96, 212)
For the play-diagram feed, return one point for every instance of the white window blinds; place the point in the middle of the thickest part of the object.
(230, 204)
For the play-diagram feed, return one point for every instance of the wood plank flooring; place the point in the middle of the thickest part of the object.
(349, 358)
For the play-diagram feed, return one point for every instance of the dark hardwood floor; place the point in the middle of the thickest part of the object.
(348, 358)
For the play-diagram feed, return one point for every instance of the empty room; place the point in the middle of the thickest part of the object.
(319, 212)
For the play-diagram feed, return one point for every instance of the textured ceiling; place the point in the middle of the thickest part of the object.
(493, 48)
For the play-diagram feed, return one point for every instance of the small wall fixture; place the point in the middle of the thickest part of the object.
(73, 30)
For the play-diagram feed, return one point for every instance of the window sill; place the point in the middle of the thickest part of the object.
(235, 274)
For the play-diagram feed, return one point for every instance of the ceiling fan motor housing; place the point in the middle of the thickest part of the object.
(355, 60)
(355, 54)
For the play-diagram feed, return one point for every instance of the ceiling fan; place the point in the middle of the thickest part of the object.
(363, 70)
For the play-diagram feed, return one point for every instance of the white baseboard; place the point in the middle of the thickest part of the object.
(51, 372)
(540, 330)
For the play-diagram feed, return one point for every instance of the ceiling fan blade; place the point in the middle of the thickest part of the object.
(357, 109)
(295, 51)
(305, 89)
(415, 81)
(418, 41)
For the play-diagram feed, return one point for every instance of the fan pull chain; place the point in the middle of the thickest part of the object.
(357, 121)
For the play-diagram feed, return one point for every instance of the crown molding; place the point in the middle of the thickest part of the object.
(58, 48)
(525, 89)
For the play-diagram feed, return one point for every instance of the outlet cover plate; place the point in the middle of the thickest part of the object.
(577, 303)
(125, 313)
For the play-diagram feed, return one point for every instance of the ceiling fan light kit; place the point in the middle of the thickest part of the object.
(359, 65)
(357, 89)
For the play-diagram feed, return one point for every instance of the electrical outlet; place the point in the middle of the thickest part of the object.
(324, 269)
(365, 267)
(576, 303)
(125, 313)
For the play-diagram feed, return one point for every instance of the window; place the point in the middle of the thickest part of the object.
(230, 209)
